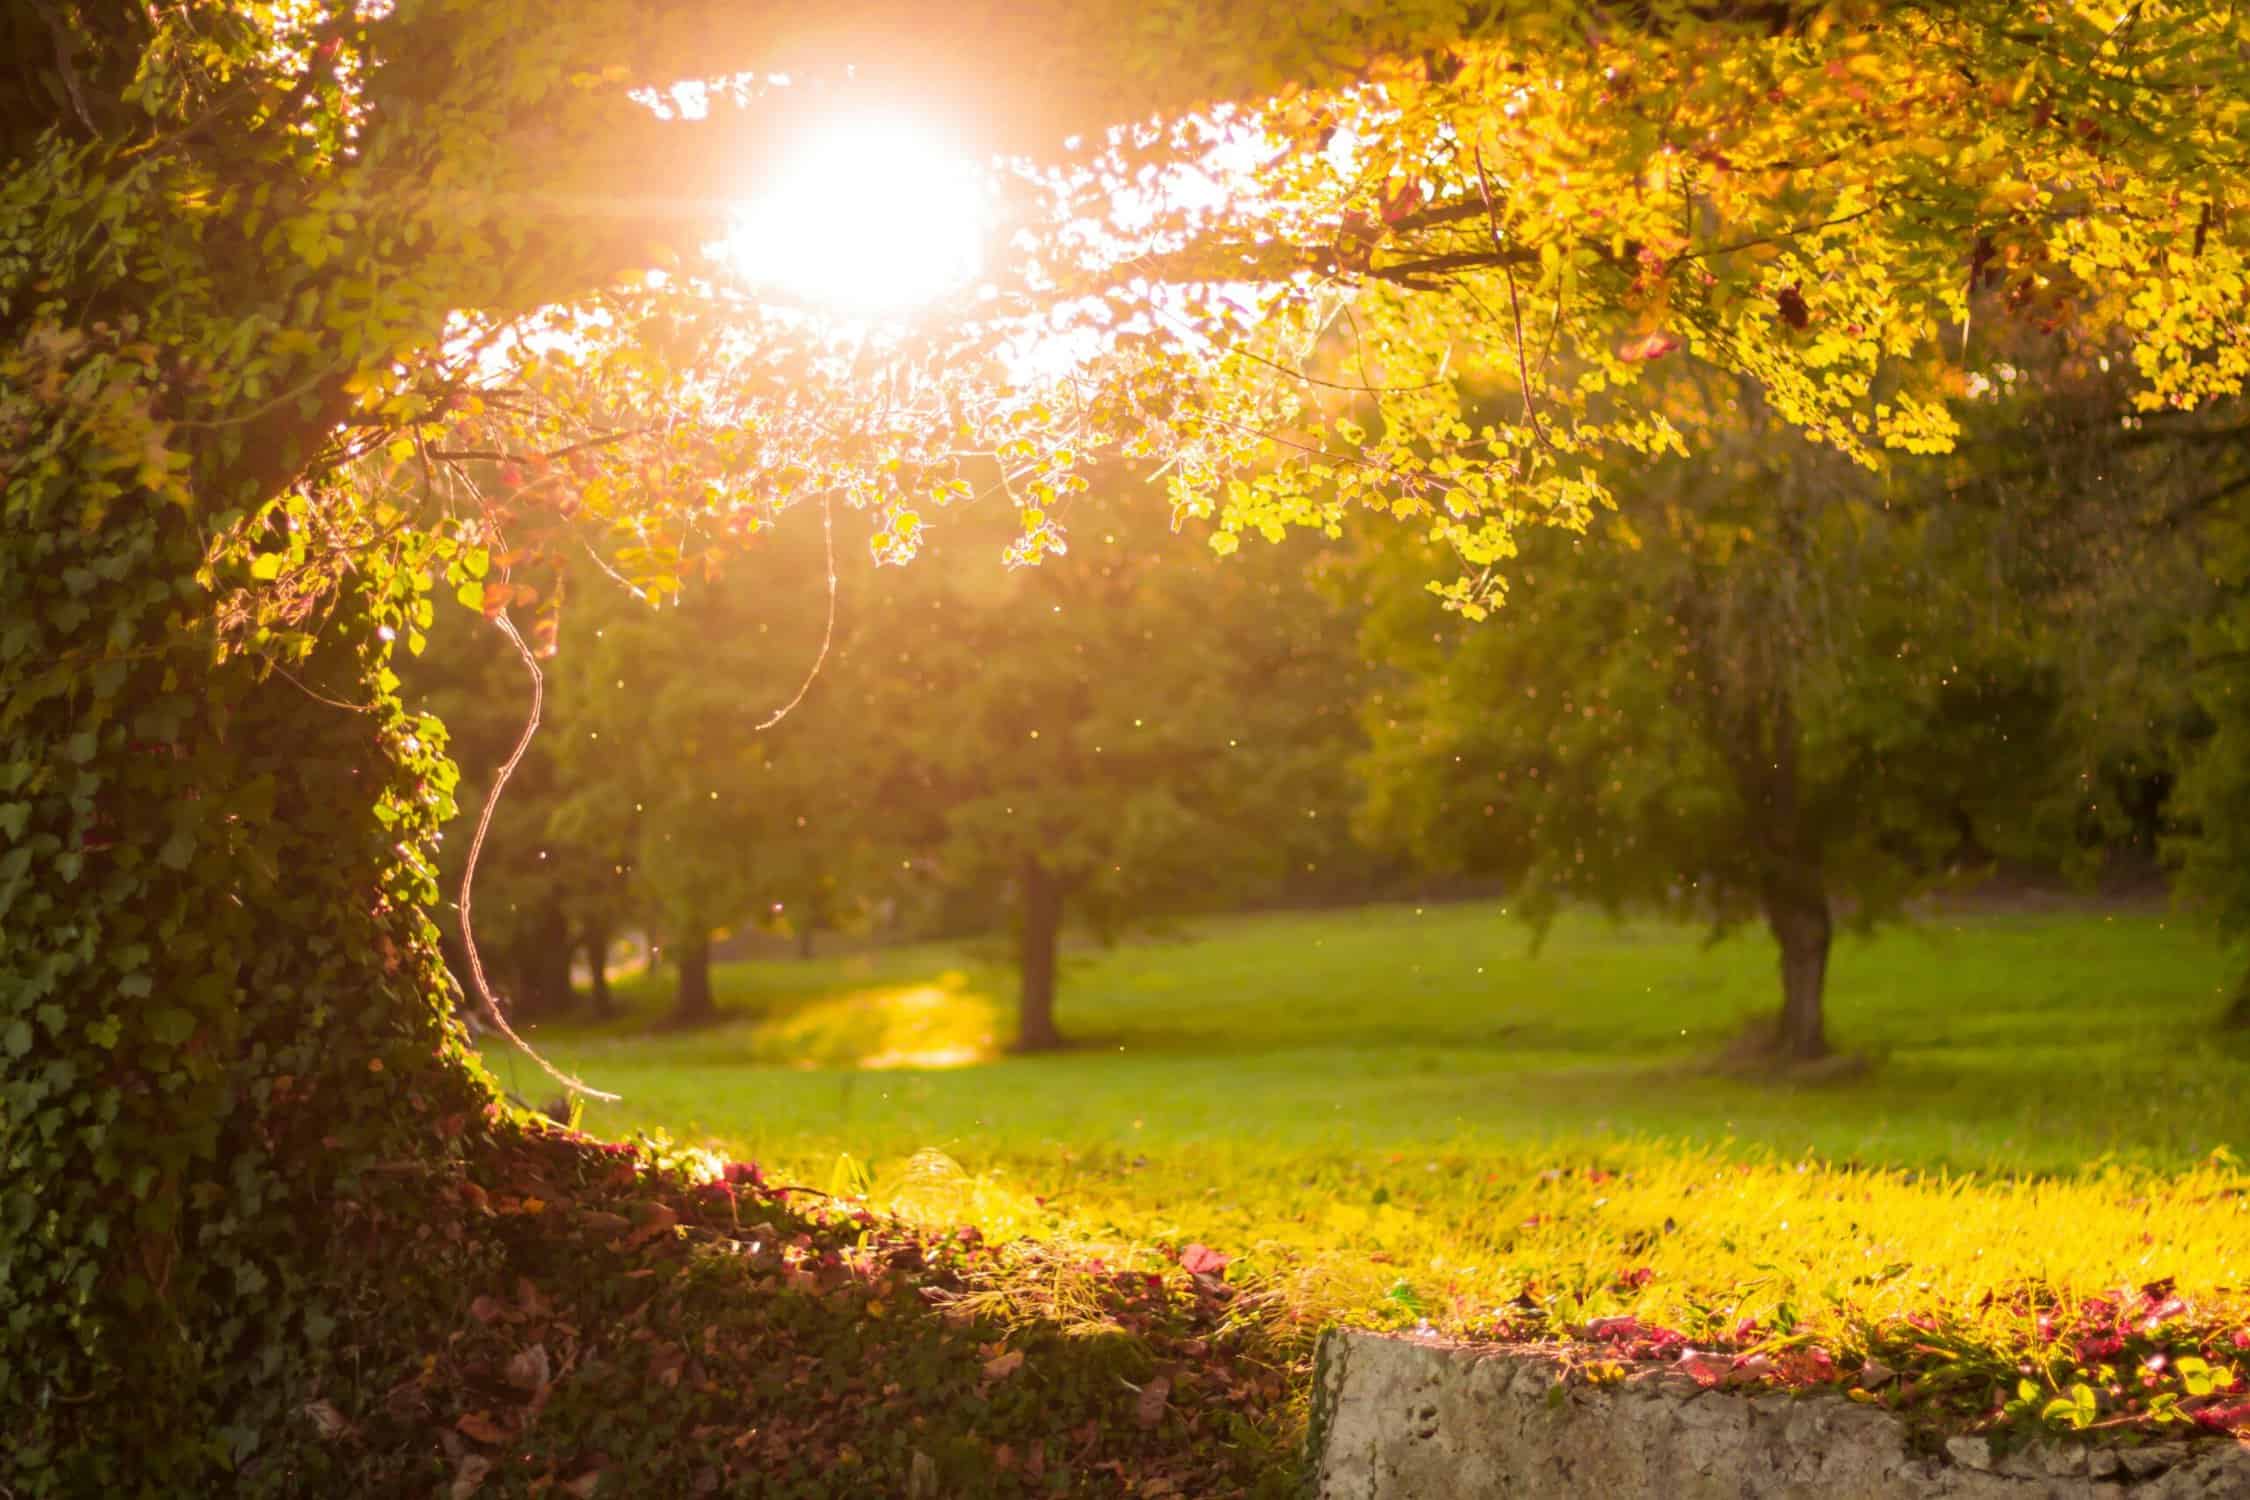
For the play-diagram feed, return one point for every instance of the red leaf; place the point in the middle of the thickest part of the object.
(1149, 1410)
(1202, 1260)
(1650, 346)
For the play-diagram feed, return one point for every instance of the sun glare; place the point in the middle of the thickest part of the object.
(868, 216)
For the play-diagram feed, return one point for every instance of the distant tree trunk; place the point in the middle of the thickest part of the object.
(805, 933)
(2238, 1010)
(1040, 912)
(539, 965)
(596, 947)
(1799, 917)
(694, 1004)
(1792, 887)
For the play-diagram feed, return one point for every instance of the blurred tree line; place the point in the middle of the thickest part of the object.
(1768, 688)
(1130, 731)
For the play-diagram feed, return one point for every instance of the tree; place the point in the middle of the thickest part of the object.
(276, 281)
(672, 738)
(2213, 791)
(1785, 693)
(1125, 732)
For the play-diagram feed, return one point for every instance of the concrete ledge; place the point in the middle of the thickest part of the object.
(1425, 1419)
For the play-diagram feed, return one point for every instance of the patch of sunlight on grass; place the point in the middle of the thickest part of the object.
(1400, 1113)
(942, 1024)
(1056, 1259)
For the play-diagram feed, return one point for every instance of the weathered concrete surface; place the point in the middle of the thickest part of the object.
(1423, 1419)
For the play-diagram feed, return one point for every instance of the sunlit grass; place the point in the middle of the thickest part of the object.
(1401, 1114)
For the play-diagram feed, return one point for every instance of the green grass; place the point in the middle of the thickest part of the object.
(2035, 1043)
(1405, 1112)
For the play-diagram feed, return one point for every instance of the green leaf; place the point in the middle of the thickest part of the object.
(171, 1025)
(16, 1040)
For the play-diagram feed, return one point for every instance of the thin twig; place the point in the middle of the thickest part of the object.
(1515, 304)
(476, 849)
(828, 634)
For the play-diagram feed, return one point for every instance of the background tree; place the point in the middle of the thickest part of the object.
(670, 736)
(2210, 806)
(1778, 691)
(1131, 730)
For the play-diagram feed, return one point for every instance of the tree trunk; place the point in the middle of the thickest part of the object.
(2237, 1017)
(805, 933)
(217, 982)
(693, 1005)
(595, 945)
(1799, 918)
(540, 971)
(1039, 935)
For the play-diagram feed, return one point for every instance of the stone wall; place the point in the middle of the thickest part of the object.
(1425, 1419)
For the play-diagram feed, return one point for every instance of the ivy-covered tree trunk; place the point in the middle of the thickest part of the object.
(693, 1005)
(1039, 938)
(220, 1000)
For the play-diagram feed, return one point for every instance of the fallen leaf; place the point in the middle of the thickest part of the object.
(329, 1420)
(1000, 1367)
(487, 1309)
(1202, 1260)
(1875, 1373)
(479, 1425)
(665, 1363)
(470, 1476)
(530, 1370)
(1149, 1410)
(1749, 1368)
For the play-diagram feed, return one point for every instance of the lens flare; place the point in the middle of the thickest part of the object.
(869, 216)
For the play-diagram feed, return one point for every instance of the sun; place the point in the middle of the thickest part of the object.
(867, 216)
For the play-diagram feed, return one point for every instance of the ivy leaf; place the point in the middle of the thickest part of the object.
(171, 1025)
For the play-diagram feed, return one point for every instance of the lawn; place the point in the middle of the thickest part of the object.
(1406, 1113)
